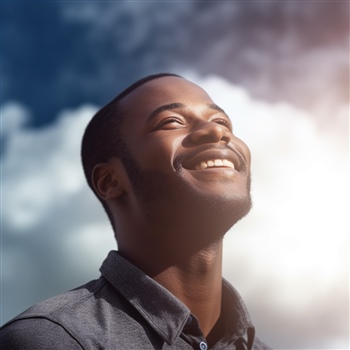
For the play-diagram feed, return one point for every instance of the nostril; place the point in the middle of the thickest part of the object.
(226, 138)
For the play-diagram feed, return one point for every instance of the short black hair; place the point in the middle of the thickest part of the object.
(102, 138)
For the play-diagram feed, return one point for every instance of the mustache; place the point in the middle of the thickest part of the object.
(188, 155)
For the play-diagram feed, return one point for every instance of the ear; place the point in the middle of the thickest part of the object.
(106, 180)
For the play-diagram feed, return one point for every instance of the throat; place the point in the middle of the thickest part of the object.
(197, 283)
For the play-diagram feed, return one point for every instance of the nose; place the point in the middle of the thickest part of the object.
(210, 132)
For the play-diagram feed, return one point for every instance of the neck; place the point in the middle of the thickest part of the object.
(197, 282)
(186, 259)
(193, 276)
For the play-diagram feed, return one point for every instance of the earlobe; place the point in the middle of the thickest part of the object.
(106, 182)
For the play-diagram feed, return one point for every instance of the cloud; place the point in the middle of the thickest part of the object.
(40, 166)
(275, 50)
(293, 51)
(13, 117)
(288, 258)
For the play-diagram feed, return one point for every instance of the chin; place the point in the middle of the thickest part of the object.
(224, 213)
(240, 209)
(218, 212)
(229, 203)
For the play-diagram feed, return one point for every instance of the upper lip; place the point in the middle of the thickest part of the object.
(210, 152)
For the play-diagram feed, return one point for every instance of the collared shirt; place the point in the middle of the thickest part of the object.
(124, 309)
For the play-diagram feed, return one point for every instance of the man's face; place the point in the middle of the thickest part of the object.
(183, 161)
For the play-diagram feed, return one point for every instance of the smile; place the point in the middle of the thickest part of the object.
(206, 158)
(215, 163)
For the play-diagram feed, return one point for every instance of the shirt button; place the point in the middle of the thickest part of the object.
(203, 345)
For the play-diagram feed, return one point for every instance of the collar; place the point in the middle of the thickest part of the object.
(162, 310)
(236, 316)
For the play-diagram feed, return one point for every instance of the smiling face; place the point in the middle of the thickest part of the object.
(182, 159)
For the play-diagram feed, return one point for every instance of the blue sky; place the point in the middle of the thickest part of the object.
(280, 69)
(61, 54)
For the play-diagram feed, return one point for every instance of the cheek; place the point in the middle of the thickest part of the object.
(244, 150)
(156, 152)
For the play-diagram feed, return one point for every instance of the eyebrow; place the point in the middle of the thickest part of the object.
(216, 108)
(177, 105)
(163, 108)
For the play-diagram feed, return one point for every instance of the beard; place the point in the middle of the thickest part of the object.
(163, 199)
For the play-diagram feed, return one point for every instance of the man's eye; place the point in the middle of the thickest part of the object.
(168, 122)
(223, 122)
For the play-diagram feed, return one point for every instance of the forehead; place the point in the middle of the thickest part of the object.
(161, 91)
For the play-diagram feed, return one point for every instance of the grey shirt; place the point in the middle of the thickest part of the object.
(124, 309)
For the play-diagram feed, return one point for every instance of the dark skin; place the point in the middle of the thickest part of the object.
(172, 228)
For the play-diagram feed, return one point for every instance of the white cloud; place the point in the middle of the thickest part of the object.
(42, 167)
(288, 257)
(13, 116)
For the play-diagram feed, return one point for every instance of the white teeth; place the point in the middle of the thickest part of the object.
(228, 163)
(215, 163)
(203, 165)
(218, 162)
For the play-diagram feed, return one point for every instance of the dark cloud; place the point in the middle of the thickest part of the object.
(59, 55)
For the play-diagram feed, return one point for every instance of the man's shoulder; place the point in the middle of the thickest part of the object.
(53, 307)
(37, 333)
(60, 320)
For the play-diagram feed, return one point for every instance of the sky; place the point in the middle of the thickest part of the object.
(279, 69)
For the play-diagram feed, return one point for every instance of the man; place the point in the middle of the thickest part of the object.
(173, 178)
